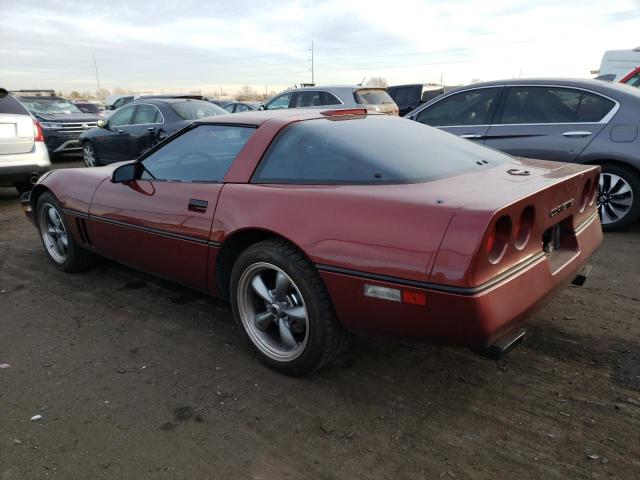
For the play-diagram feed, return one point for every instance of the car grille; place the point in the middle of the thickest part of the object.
(77, 127)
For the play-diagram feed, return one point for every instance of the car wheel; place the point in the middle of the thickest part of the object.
(618, 197)
(89, 155)
(56, 237)
(22, 187)
(283, 310)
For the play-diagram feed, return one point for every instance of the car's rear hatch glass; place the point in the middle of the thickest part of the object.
(375, 97)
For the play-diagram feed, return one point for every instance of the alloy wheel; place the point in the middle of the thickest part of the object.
(54, 235)
(615, 197)
(273, 311)
(88, 154)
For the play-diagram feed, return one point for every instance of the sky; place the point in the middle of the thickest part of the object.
(204, 46)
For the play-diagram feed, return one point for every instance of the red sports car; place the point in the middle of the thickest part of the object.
(318, 224)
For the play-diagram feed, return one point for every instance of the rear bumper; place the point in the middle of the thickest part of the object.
(22, 167)
(477, 318)
(59, 141)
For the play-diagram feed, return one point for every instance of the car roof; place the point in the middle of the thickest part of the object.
(335, 88)
(164, 100)
(602, 87)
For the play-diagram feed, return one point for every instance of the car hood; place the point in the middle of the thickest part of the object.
(67, 117)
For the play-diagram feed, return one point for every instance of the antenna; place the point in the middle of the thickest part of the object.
(95, 64)
(313, 81)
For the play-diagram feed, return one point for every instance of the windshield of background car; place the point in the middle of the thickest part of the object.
(368, 150)
(49, 106)
(372, 96)
(195, 109)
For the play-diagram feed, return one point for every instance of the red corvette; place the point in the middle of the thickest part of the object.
(319, 224)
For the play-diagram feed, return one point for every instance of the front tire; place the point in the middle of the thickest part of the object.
(618, 197)
(58, 242)
(90, 155)
(282, 309)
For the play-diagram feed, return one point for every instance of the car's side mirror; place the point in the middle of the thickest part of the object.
(262, 107)
(102, 123)
(125, 173)
(110, 107)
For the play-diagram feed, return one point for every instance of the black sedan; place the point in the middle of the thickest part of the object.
(134, 128)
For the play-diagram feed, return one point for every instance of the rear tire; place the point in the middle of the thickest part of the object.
(618, 197)
(56, 237)
(283, 310)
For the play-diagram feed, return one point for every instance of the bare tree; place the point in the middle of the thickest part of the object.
(377, 82)
(247, 93)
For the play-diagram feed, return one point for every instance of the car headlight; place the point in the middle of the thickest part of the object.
(51, 125)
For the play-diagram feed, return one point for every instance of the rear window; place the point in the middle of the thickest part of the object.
(368, 150)
(371, 96)
(195, 109)
(10, 105)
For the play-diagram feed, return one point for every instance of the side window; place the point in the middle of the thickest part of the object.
(122, 117)
(241, 107)
(634, 81)
(553, 105)
(306, 98)
(473, 107)
(279, 102)
(147, 114)
(202, 154)
(327, 98)
(229, 108)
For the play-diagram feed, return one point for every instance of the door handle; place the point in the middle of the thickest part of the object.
(196, 205)
(120, 131)
(150, 129)
(577, 134)
(471, 136)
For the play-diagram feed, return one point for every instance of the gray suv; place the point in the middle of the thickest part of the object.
(374, 99)
(581, 121)
(23, 154)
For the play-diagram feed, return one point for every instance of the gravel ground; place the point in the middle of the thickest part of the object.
(138, 378)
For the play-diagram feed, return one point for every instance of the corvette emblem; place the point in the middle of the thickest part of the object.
(521, 173)
(561, 208)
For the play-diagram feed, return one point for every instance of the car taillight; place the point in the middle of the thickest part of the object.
(38, 136)
(498, 239)
(524, 227)
(586, 196)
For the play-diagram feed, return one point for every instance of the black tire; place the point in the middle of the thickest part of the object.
(96, 160)
(632, 178)
(22, 187)
(76, 258)
(326, 338)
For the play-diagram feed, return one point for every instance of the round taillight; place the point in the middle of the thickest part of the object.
(524, 227)
(498, 239)
(594, 190)
(587, 195)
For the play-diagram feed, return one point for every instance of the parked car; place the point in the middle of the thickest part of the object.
(237, 107)
(374, 99)
(409, 97)
(304, 224)
(220, 102)
(579, 121)
(139, 125)
(88, 107)
(62, 122)
(23, 154)
(632, 78)
(116, 101)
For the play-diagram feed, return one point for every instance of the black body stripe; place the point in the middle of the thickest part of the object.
(155, 231)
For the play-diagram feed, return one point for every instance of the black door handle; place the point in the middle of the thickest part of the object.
(196, 205)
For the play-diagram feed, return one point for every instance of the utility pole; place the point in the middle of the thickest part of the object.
(313, 80)
(95, 64)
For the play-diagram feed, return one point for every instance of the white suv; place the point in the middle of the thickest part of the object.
(23, 154)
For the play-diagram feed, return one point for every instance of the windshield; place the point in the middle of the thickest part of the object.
(49, 106)
(195, 109)
(369, 150)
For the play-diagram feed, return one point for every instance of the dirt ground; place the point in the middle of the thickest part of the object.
(138, 378)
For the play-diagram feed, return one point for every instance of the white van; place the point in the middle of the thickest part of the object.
(619, 63)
